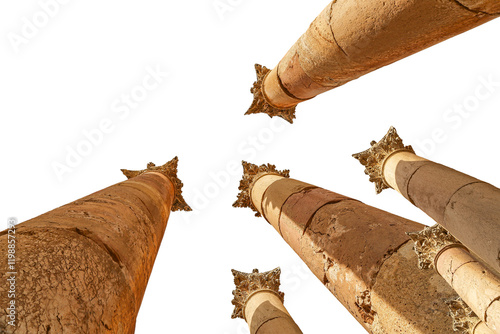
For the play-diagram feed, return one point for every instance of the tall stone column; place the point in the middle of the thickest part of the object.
(360, 253)
(257, 299)
(351, 38)
(477, 286)
(84, 267)
(465, 206)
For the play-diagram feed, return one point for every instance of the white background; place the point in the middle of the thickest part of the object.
(69, 75)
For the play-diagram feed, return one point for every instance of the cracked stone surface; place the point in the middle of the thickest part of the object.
(362, 255)
(349, 39)
(84, 267)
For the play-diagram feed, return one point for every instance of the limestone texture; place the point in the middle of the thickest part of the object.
(361, 254)
(84, 267)
(351, 38)
(466, 207)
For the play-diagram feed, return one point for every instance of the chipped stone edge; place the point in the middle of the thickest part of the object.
(364, 304)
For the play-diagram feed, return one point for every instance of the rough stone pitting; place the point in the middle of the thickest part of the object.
(374, 157)
(464, 319)
(251, 173)
(364, 304)
(361, 254)
(113, 236)
(466, 206)
(170, 171)
(429, 242)
(260, 103)
(343, 45)
(248, 283)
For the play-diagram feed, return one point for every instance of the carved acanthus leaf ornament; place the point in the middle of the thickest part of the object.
(260, 103)
(374, 157)
(429, 242)
(249, 283)
(170, 171)
(464, 319)
(252, 173)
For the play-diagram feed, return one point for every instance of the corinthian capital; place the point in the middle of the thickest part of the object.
(260, 103)
(248, 284)
(170, 171)
(464, 319)
(374, 157)
(252, 173)
(429, 242)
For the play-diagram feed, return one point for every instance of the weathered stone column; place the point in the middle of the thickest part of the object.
(351, 38)
(257, 299)
(360, 253)
(465, 321)
(465, 206)
(478, 287)
(84, 267)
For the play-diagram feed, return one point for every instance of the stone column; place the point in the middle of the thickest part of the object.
(351, 38)
(84, 267)
(465, 321)
(257, 299)
(361, 254)
(477, 286)
(465, 206)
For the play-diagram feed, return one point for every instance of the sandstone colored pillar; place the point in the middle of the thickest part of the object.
(351, 38)
(477, 286)
(84, 267)
(465, 206)
(257, 299)
(465, 321)
(361, 254)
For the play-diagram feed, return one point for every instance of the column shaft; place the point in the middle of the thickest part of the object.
(266, 314)
(474, 282)
(465, 206)
(84, 267)
(351, 38)
(361, 254)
